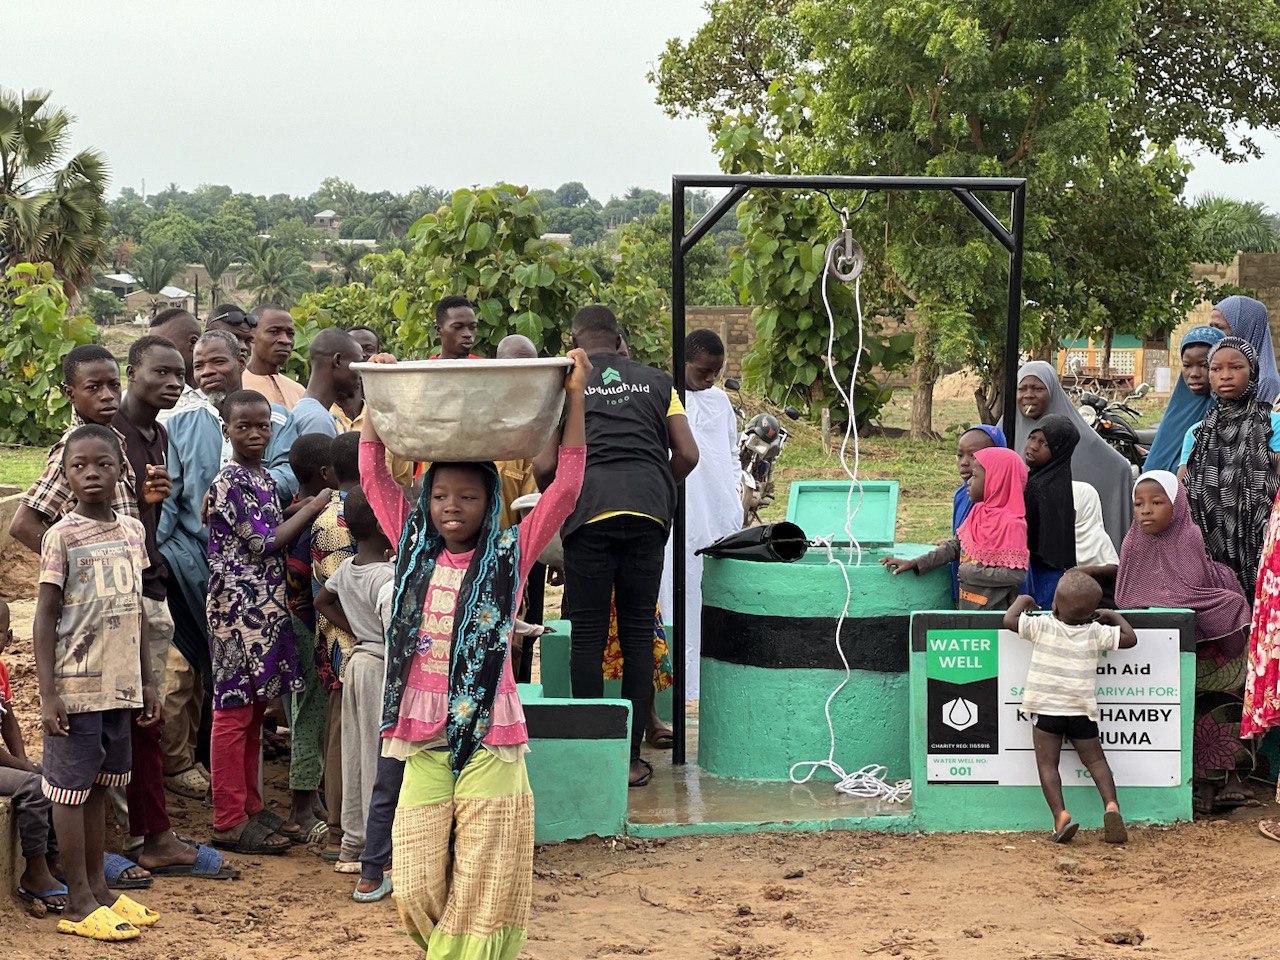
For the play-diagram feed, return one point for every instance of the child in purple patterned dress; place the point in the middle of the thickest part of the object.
(251, 637)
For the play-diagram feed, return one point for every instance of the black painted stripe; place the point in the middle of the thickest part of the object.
(752, 640)
(579, 721)
(921, 623)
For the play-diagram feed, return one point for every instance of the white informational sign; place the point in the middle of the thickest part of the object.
(975, 672)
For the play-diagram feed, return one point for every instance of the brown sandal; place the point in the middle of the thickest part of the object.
(1270, 829)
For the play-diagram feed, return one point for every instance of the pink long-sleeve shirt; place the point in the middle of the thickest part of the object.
(424, 708)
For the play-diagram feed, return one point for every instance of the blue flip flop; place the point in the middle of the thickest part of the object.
(114, 867)
(1066, 832)
(209, 865)
(383, 889)
(32, 897)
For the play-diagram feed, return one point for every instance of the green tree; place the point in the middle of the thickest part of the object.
(1225, 225)
(102, 305)
(391, 218)
(573, 194)
(1046, 92)
(38, 334)
(174, 229)
(49, 210)
(485, 244)
(274, 274)
(302, 238)
(155, 265)
(345, 258)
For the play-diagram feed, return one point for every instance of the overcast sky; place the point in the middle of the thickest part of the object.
(271, 96)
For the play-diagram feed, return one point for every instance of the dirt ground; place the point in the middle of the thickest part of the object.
(1206, 889)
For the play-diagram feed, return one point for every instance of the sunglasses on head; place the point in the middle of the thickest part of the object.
(237, 318)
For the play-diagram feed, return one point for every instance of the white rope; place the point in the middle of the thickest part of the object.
(868, 782)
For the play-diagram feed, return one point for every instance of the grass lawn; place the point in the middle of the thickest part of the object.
(20, 466)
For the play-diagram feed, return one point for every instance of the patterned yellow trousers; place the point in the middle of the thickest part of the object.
(472, 904)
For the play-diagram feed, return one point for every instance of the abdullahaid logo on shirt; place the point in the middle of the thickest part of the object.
(615, 388)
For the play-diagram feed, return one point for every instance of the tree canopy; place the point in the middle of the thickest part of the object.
(1076, 97)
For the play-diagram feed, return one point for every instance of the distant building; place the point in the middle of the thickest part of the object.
(329, 221)
(137, 301)
(564, 239)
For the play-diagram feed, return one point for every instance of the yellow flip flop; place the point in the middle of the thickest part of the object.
(103, 924)
(134, 912)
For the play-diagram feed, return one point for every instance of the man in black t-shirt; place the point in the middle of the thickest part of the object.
(639, 446)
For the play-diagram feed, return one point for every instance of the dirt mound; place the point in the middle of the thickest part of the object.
(19, 571)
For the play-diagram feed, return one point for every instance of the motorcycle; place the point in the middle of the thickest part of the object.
(760, 445)
(1114, 421)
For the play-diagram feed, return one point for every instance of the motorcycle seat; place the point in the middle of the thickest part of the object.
(1146, 436)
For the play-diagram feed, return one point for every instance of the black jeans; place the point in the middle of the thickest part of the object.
(619, 557)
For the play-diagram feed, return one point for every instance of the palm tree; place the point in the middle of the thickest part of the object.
(155, 266)
(49, 212)
(392, 218)
(274, 274)
(1225, 225)
(345, 259)
(217, 261)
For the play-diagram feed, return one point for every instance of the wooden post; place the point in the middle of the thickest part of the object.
(826, 429)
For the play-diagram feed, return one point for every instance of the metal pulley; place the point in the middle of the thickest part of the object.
(845, 258)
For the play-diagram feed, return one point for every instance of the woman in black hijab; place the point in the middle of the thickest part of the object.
(1051, 512)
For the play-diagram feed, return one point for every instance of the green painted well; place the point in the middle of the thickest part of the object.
(811, 587)
(754, 722)
(554, 668)
(579, 786)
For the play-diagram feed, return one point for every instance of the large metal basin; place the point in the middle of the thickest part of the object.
(456, 410)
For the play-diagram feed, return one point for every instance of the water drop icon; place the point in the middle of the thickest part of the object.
(960, 714)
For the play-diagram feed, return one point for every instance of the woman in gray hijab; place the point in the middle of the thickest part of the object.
(1095, 462)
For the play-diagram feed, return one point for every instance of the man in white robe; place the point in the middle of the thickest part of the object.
(712, 492)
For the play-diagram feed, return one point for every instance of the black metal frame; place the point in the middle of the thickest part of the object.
(963, 188)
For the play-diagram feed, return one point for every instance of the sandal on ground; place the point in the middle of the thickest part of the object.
(1065, 832)
(134, 912)
(644, 778)
(1270, 829)
(269, 819)
(209, 865)
(660, 738)
(31, 897)
(103, 924)
(317, 834)
(1113, 828)
(330, 856)
(374, 896)
(347, 866)
(253, 841)
(114, 868)
(189, 783)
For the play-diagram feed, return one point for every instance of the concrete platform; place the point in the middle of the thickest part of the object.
(686, 800)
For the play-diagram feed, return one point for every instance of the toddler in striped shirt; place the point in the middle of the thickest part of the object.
(1060, 694)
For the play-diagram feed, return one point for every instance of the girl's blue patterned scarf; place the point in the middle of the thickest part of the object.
(482, 621)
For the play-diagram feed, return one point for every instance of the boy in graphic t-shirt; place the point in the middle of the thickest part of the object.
(94, 670)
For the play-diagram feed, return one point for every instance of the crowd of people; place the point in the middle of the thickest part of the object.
(1050, 517)
(226, 553)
